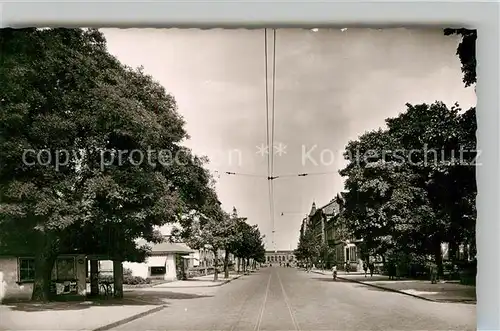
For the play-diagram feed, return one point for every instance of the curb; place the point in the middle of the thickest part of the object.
(129, 319)
(388, 289)
(400, 292)
(201, 286)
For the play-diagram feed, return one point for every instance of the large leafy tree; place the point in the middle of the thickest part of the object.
(232, 236)
(249, 244)
(208, 232)
(309, 246)
(71, 115)
(206, 227)
(404, 183)
(466, 51)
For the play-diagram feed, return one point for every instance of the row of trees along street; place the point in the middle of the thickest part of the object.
(412, 188)
(217, 230)
(62, 92)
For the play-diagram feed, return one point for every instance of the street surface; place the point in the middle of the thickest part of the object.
(290, 299)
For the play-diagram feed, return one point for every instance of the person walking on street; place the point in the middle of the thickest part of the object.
(347, 266)
(371, 266)
(365, 267)
(433, 271)
(334, 272)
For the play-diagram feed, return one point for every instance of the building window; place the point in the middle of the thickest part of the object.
(352, 254)
(155, 271)
(26, 269)
(65, 268)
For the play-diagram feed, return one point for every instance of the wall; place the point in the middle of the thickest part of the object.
(138, 269)
(106, 267)
(171, 273)
(142, 269)
(12, 290)
(197, 257)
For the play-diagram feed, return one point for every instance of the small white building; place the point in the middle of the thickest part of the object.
(167, 260)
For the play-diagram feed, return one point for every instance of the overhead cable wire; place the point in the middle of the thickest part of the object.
(305, 174)
(274, 102)
(271, 152)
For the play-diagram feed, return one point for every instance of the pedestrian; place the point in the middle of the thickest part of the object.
(433, 272)
(365, 267)
(347, 266)
(334, 272)
(371, 266)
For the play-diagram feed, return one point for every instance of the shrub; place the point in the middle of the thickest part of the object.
(135, 280)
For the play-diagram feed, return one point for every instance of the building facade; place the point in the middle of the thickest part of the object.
(280, 257)
(170, 261)
(17, 273)
(343, 251)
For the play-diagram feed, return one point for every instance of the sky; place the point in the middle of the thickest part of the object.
(331, 86)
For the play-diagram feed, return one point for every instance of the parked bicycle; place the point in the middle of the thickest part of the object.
(106, 288)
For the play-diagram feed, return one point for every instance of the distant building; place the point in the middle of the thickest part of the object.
(277, 257)
(324, 221)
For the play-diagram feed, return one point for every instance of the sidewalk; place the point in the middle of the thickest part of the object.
(423, 289)
(88, 315)
(105, 314)
(202, 281)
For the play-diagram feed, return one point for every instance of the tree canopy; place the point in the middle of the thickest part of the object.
(411, 186)
(91, 150)
(466, 52)
(309, 246)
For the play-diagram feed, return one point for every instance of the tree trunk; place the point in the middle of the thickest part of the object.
(473, 249)
(216, 265)
(118, 279)
(226, 263)
(438, 256)
(239, 264)
(452, 252)
(94, 278)
(44, 263)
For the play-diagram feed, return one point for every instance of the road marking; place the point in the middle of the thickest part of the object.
(242, 308)
(257, 326)
(294, 321)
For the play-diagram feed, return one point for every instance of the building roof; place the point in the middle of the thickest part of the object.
(313, 209)
(167, 247)
(331, 208)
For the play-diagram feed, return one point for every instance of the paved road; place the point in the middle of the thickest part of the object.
(289, 299)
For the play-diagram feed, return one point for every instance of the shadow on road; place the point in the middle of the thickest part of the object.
(329, 280)
(135, 298)
(371, 288)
